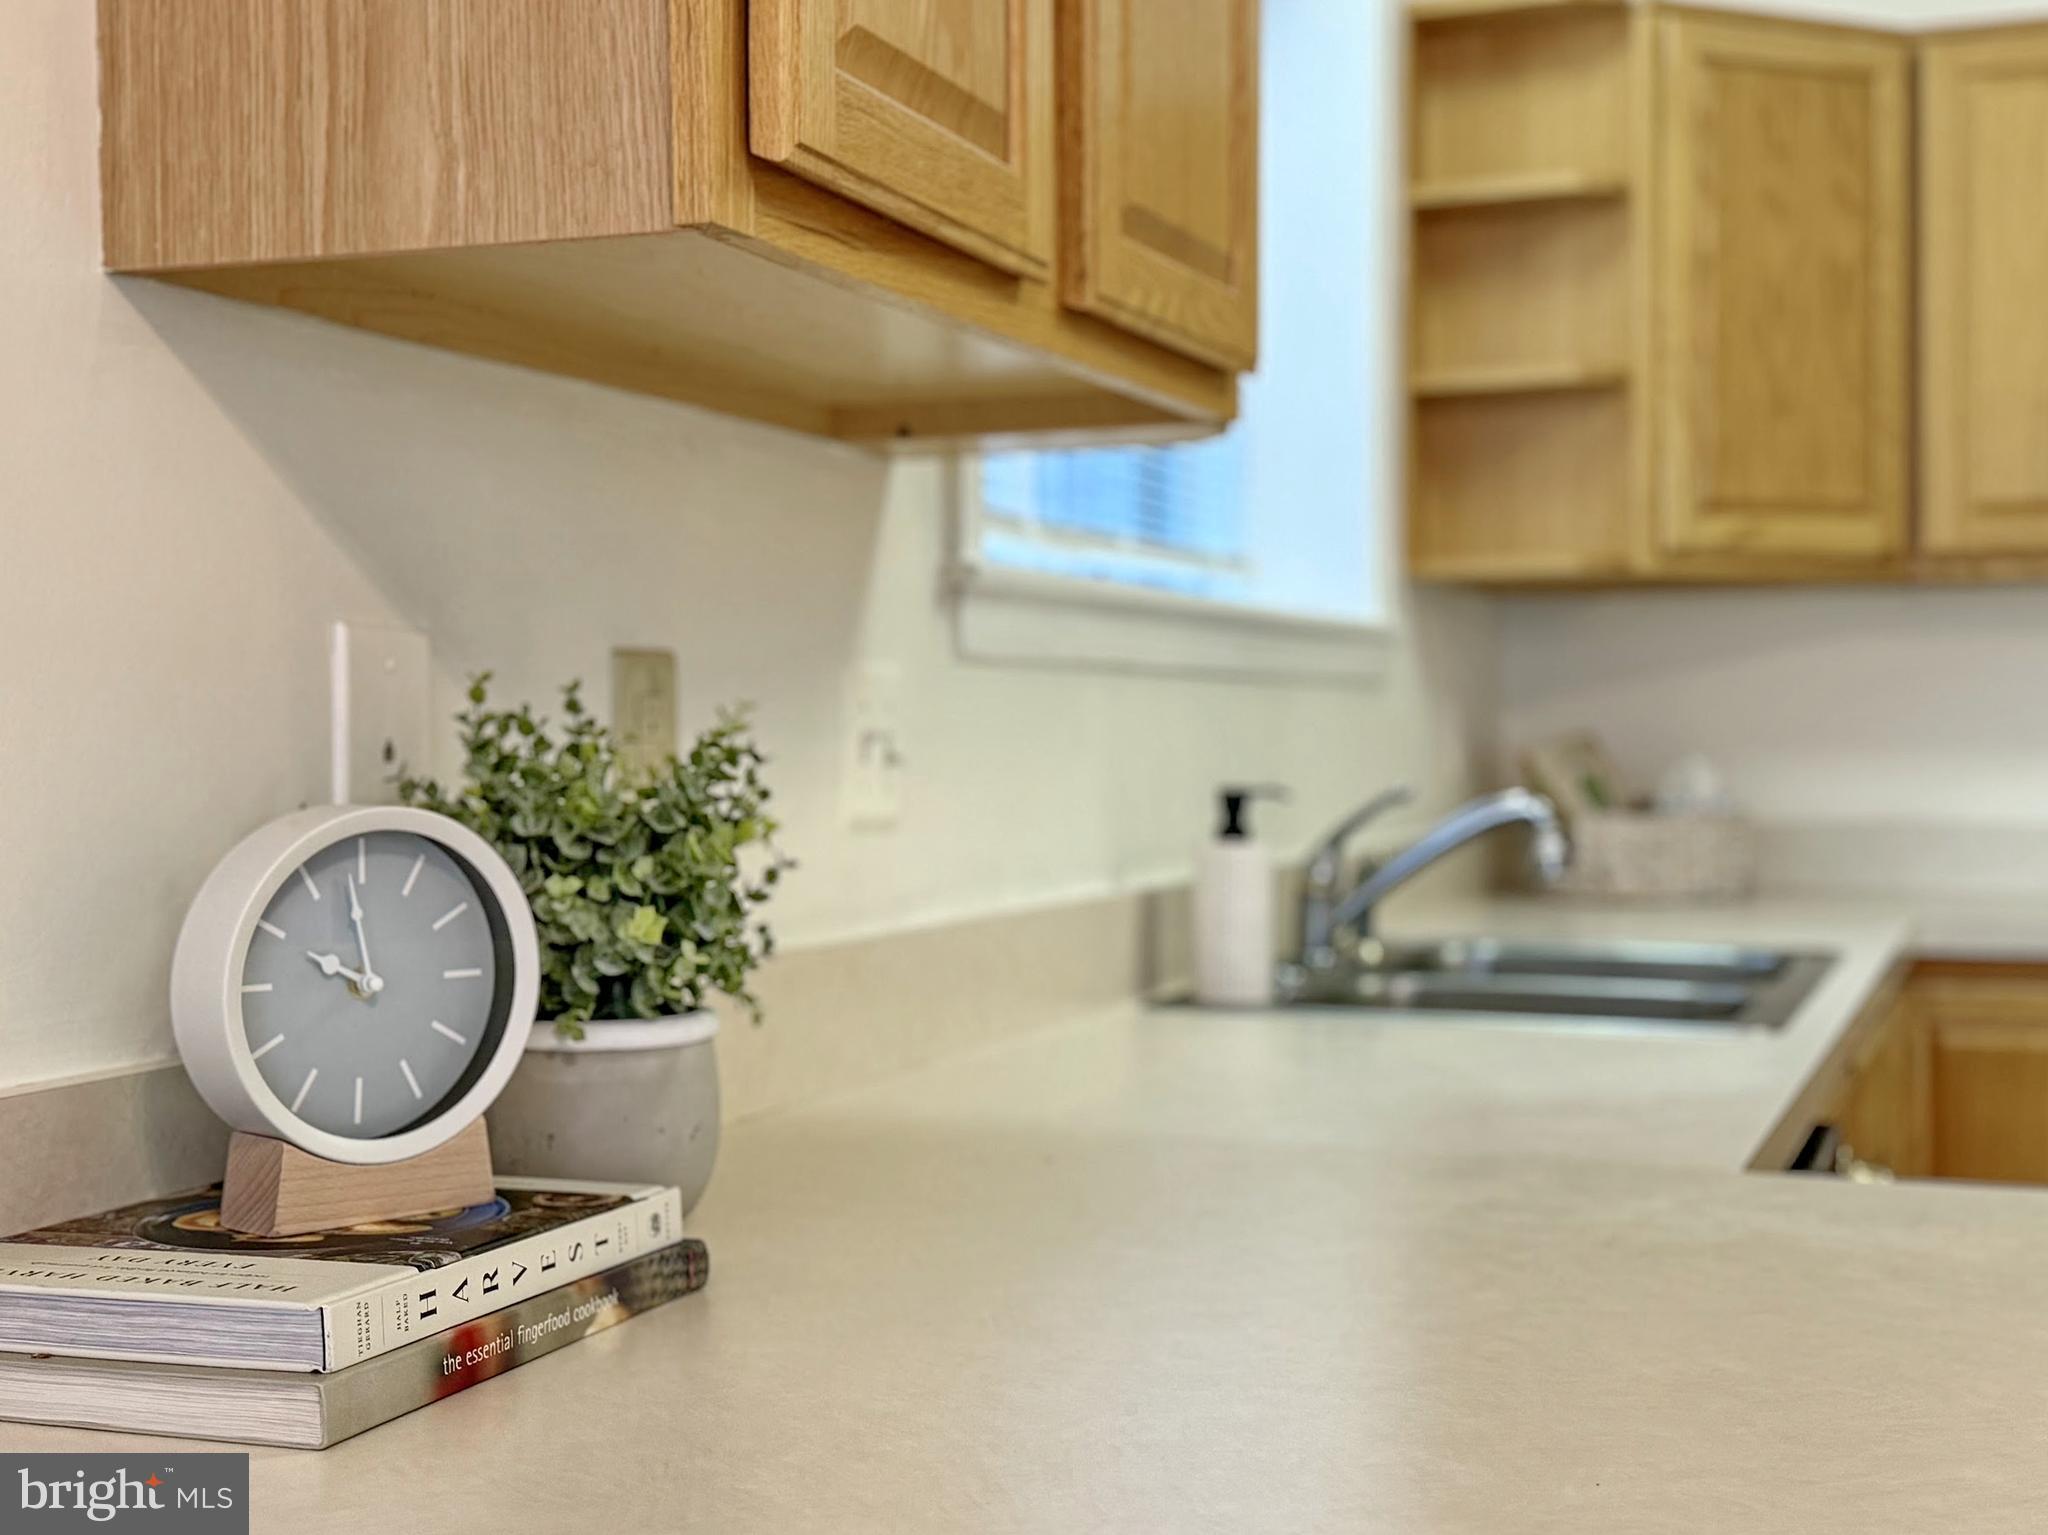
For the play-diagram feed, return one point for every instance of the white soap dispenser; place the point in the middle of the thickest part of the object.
(1234, 907)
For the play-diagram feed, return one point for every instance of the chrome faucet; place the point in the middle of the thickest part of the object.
(1326, 916)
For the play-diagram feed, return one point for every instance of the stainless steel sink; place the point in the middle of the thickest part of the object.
(1656, 982)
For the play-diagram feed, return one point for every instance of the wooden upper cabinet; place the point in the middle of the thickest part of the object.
(571, 186)
(937, 113)
(1781, 282)
(1160, 170)
(1984, 326)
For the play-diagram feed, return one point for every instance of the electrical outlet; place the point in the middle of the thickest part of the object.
(644, 706)
(874, 745)
(382, 712)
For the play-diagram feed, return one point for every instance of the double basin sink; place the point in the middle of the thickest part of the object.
(1678, 983)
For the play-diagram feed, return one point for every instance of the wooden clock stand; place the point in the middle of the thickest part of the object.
(273, 1189)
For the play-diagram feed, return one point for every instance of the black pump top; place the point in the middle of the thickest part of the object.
(1236, 801)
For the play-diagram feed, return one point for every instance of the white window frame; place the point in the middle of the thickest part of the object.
(1005, 615)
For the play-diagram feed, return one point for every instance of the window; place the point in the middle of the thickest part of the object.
(1278, 523)
(1166, 518)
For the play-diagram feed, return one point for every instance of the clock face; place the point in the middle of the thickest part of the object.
(377, 984)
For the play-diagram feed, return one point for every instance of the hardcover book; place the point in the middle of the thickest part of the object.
(314, 1411)
(163, 1280)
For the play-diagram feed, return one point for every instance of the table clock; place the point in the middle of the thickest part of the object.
(353, 986)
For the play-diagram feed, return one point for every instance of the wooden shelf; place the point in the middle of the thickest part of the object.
(1465, 10)
(1539, 568)
(1533, 378)
(1517, 190)
(1531, 97)
(1534, 487)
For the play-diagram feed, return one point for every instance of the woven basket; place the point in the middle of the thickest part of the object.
(1639, 856)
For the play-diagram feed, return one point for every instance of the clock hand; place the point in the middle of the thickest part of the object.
(330, 964)
(371, 981)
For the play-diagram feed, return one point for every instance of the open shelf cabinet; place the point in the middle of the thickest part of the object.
(1525, 340)
(1660, 295)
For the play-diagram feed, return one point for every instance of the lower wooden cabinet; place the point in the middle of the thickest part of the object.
(1988, 1041)
(1884, 1116)
(1954, 1082)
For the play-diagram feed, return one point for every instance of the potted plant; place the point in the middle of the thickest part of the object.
(646, 889)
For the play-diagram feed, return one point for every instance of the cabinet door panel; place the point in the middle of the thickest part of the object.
(1886, 1117)
(1782, 290)
(1160, 182)
(1991, 1104)
(1984, 336)
(1990, 1040)
(935, 112)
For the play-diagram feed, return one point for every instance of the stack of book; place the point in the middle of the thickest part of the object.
(154, 1318)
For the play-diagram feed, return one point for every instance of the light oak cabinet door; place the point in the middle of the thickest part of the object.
(1984, 324)
(1886, 1115)
(1781, 288)
(1160, 170)
(1990, 1077)
(938, 113)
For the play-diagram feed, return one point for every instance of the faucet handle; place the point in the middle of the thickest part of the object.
(1387, 799)
(1329, 854)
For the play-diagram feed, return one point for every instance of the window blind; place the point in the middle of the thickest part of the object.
(1182, 504)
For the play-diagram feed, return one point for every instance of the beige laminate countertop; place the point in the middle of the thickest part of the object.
(1178, 1271)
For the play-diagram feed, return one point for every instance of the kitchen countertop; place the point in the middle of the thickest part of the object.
(1177, 1270)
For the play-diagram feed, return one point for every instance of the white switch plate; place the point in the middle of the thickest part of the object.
(382, 709)
(874, 745)
(644, 706)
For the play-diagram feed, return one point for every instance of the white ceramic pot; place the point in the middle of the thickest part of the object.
(630, 1102)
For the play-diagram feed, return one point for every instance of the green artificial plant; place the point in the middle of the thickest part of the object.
(637, 883)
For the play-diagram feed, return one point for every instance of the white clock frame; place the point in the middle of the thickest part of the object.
(213, 948)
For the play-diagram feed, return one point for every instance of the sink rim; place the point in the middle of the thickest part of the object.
(1605, 997)
(1634, 958)
(1766, 995)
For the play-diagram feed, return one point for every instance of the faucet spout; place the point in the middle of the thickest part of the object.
(1326, 867)
(1550, 850)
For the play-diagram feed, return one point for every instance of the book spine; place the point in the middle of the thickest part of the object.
(428, 1369)
(418, 1304)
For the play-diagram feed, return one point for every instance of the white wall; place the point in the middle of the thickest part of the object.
(1824, 707)
(1881, 720)
(194, 490)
